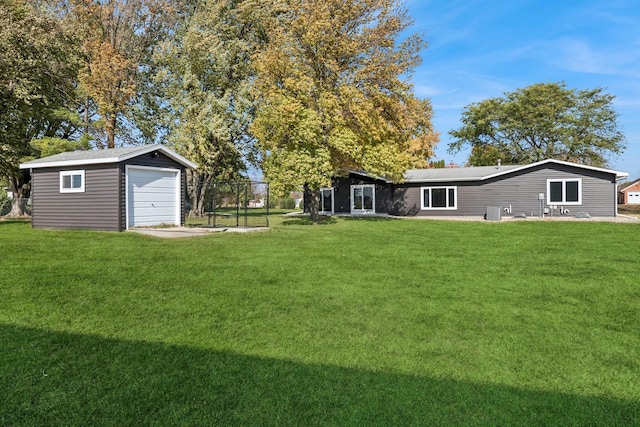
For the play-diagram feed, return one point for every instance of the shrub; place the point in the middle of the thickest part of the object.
(282, 203)
(5, 203)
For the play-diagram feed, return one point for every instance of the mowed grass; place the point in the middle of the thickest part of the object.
(351, 322)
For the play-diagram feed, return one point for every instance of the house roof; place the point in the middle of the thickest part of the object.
(480, 173)
(455, 174)
(111, 155)
(629, 185)
(368, 175)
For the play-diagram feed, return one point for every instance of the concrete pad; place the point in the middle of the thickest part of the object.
(180, 232)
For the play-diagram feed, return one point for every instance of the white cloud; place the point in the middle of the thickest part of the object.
(579, 55)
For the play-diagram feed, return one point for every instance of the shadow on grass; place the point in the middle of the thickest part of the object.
(7, 221)
(369, 218)
(53, 378)
(306, 220)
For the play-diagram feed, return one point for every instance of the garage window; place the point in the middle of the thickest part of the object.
(72, 181)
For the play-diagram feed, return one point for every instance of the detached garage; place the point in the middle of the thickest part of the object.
(110, 190)
(629, 194)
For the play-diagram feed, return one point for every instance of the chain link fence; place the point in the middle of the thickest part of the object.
(228, 204)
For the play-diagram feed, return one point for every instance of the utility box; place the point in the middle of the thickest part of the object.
(494, 213)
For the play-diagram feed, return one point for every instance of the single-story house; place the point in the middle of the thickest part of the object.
(110, 190)
(629, 194)
(549, 187)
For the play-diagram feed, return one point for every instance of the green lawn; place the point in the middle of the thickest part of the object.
(235, 217)
(352, 322)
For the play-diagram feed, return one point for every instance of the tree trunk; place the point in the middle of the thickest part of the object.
(111, 130)
(18, 208)
(314, 204)
(200, 198)
(197, 189)
(193, 192)
(86, 115)
(21, 188)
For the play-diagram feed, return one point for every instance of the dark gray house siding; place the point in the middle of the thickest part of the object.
(342, 193)
(96, 208)
(518, 189)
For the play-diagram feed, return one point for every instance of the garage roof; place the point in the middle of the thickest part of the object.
(112, 155)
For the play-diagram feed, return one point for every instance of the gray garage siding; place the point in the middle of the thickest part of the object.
(96, 208)
(102, 206)
(520, 190)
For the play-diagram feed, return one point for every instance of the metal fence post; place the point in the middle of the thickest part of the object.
(238, 204)
(267, 205)
(215, 201)
(246, 205)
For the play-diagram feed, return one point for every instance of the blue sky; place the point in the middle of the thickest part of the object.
(480, 49)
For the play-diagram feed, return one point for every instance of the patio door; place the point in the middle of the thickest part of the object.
(363, 199)
(326, 201)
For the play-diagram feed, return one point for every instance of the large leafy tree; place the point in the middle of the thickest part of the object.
(335, 94)
(541, 121)
(119, 40)
(206, 70)
(38, 77)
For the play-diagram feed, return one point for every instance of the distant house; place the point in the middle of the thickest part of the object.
(110, 190)
(629, 194)
(549, 187)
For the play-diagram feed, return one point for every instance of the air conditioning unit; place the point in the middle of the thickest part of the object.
(494, 213)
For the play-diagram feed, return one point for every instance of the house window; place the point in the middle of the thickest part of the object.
(564, 191)
(72, 181)
(438, 198)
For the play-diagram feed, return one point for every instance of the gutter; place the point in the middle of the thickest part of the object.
(620, 177)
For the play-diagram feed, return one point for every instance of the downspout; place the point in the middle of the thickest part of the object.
(31, 193)
(615, 192)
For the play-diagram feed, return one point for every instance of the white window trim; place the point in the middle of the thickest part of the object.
(373, 198)
(322, 190)
(447, 208)
(71, 174)
(564, 191)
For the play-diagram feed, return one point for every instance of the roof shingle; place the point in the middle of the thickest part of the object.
(111, 155)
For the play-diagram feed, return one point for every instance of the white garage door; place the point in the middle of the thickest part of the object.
(633, 197)
(153, 197)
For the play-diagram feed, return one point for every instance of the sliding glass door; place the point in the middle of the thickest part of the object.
(363, 199)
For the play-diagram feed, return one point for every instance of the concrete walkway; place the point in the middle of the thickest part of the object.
(179, 232)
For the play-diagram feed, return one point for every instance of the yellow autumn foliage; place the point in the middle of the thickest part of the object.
(334, 95)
